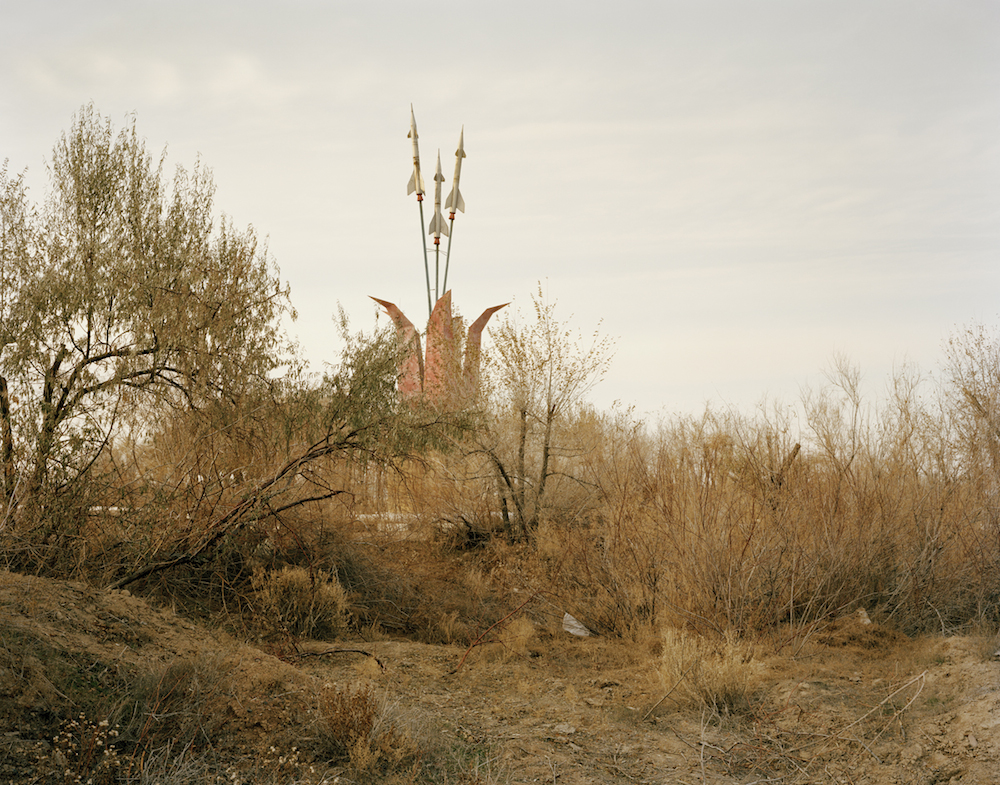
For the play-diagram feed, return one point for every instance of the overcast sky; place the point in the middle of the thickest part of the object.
(737, 191)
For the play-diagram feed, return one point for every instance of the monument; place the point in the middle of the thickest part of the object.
(442, 376)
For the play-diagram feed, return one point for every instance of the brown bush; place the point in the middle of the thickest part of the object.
(299, 602)
(359, 728)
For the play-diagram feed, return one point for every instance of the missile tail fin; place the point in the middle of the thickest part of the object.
(455, 201)
(416, 183)
(437, 225)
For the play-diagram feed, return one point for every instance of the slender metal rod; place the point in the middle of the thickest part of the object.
(427, 268)
(437, 269)
(447, 256)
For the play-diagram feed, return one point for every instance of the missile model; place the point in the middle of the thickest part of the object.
(416, 180)
(437, 226)
(417, 184)
(455, 201)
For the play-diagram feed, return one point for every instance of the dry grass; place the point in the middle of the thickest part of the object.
(701, 533)
(516, 635)
(720, 674)
(179, 704)
(726, 522)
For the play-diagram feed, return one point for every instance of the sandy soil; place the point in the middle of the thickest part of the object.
(852, 704)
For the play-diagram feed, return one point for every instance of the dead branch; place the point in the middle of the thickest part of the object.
(479, 641)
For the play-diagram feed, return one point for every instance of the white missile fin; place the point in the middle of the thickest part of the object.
(438, 225)
(453, 203)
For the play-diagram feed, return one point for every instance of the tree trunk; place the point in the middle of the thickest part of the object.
(52, 413)
(519, 476)
(6, 444)
(543, 474)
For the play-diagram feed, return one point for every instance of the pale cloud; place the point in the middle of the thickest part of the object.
(66, 75)
(241, 77)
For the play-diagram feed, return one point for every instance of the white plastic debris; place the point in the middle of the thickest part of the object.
(574, 627)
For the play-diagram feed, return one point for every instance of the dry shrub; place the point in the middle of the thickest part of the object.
(300, 602)
(358, 728)
(516, 635)
(178, 704)
(84, 751)
(450, 629)
(726, 522)
(720, 674)
(412, 588)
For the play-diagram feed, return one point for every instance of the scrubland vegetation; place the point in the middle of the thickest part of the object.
(160, 434)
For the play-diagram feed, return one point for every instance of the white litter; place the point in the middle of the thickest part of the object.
(574, 627)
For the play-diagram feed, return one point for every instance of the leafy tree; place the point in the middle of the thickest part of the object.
(539, 375)
(121, 295)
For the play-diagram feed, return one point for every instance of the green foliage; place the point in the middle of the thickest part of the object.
(146, 427)
(359, 401)
(121, 296)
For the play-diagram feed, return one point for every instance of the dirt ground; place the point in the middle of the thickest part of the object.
(851, 703)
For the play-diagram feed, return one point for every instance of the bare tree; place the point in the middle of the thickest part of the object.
(972, 373)
(539, 374)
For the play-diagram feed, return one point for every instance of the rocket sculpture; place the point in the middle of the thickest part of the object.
(455, 201)
(441, 376)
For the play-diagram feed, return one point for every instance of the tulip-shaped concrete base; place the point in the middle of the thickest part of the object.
(443, 377)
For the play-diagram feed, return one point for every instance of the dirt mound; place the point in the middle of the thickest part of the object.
(71, 653)
(855, 702)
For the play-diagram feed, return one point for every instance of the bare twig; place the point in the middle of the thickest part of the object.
(876, 707)
(676, 685)
(478, 641)
(701, 754)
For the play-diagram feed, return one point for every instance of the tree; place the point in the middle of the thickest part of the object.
(120, 295)
(539, 374)
(260, 463)
(972, 375)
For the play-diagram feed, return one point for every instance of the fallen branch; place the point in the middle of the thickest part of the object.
(303, 654)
